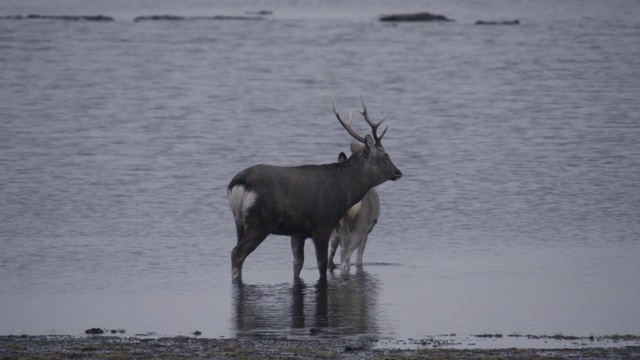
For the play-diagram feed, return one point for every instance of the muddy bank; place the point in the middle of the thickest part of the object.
(113, 347)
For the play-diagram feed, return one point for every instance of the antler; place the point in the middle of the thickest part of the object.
(374, 127)
(345, 125)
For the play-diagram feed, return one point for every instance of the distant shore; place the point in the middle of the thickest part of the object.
(182, 347)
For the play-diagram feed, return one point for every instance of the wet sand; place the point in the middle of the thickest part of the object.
(114, 347)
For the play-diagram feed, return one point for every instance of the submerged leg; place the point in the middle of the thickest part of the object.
(363, 243)
(249, 242)
(348, 247)
(345, 257)
(321, 243)
(334, 242)
(297, 247)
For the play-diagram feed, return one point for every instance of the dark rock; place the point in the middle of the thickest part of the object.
(72, 17)
(424, 16)
(356, 347)
(175, 17)
(508, 22)
(97, 18)
(158, 17)
(94, 331)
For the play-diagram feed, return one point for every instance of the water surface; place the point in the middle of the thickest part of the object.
(517, 212)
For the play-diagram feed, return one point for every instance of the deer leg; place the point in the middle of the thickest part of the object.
(250, 240)
(321, 243)
(239, 231)
(347, 248)
(334, 242)
(363, 243)
(297, 247)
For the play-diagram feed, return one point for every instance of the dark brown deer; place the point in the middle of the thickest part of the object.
(305, 201)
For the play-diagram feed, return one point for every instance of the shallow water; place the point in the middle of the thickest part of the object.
(517, 212)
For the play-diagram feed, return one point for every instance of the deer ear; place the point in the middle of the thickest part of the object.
(342, 157)
(369, 143)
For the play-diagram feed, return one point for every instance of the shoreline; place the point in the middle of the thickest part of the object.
(184, 347)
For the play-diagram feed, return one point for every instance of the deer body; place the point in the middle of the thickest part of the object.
(304, 201)
(353, 230)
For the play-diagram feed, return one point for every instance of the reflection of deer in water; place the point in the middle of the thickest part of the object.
(352, 301)
(354, 227)
(342, 305)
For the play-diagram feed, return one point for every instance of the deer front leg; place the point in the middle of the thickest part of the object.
(321, 243)
(297, 247)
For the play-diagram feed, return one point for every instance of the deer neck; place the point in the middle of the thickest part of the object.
(359, 180)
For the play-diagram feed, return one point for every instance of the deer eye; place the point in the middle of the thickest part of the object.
(386, 157)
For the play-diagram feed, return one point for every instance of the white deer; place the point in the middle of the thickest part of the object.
(354, 227)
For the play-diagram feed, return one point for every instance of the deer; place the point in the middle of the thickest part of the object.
(305, 201)
(354, 227)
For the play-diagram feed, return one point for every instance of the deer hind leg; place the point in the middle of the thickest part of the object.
(363, 243)
(334, 242)
(249, 241)
(349, 245)
(297, 247)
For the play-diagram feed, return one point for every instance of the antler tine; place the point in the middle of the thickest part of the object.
(345, 125)
(374, 126)
(385, 129)
(384, 132)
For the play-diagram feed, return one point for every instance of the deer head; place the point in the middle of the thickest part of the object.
(372, 151)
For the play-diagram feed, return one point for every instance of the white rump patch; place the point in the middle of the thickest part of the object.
(240, 200)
